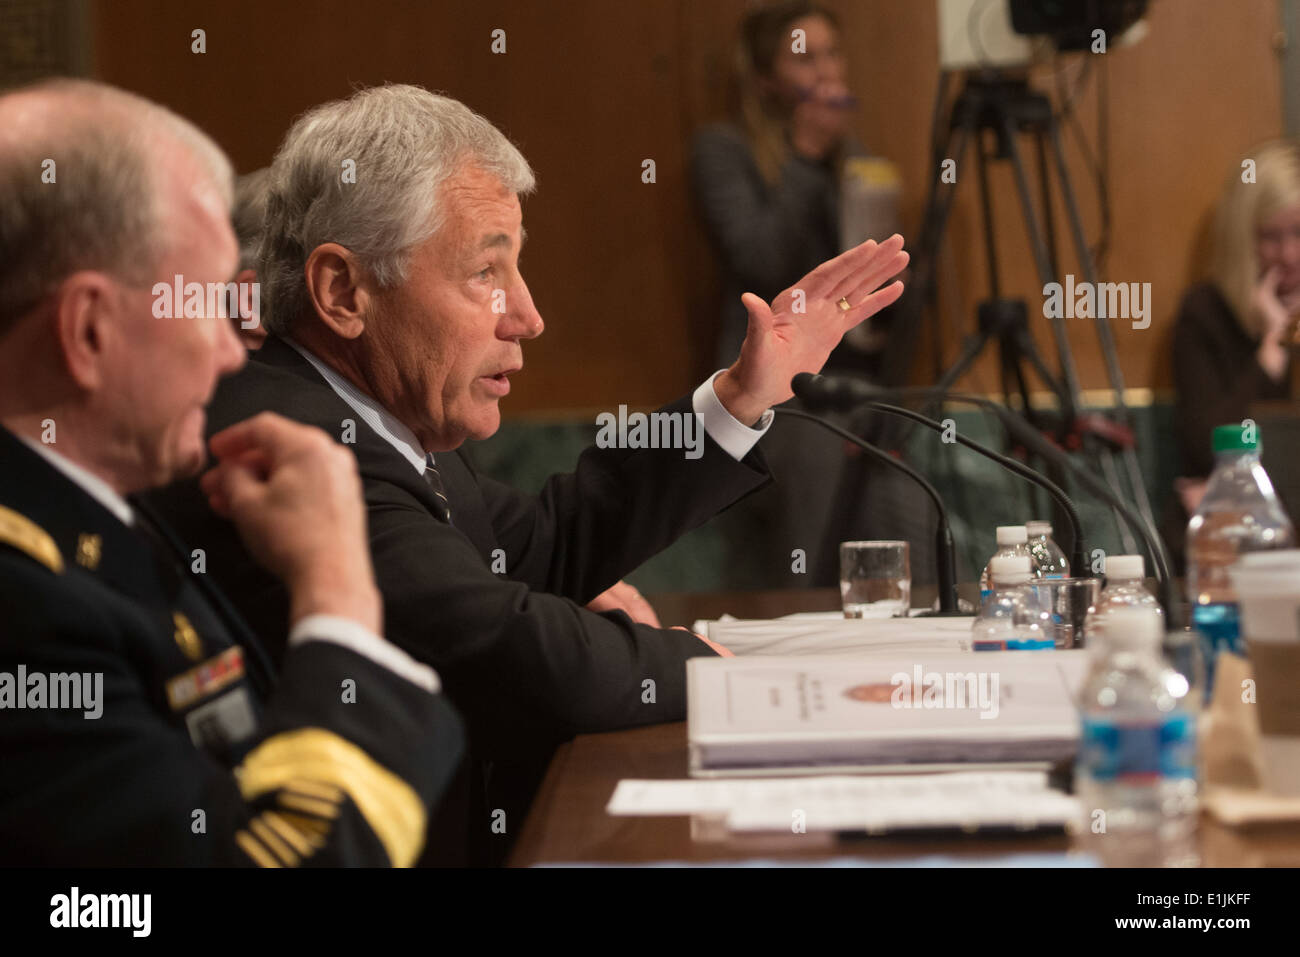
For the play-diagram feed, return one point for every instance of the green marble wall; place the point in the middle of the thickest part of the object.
(746, 548)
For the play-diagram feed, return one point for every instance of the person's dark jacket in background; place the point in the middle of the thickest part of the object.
(766, 236)
(1216, 379)
(1216, 375)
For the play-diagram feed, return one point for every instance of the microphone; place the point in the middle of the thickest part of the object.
(815, 389)
(944, 549)
(842, 392)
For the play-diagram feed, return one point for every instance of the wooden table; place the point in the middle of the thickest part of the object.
(567, 822)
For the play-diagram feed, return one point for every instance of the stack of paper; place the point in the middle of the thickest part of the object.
(875, 805)
(825, 633)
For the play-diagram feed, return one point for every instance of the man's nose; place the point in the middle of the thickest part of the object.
(522, 320)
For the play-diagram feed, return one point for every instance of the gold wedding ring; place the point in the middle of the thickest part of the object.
(844, 304)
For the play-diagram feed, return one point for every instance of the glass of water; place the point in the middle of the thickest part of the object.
(1061, 606)
(875, 579)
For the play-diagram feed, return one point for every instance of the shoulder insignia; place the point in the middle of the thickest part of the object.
(187, 639)
(28, 537)
(89, 548)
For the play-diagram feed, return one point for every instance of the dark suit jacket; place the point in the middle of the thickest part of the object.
(517, 652)
(82, 593)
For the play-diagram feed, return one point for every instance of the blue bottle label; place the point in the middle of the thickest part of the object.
(1029, 644)
(1138, 753)
(1220, 623)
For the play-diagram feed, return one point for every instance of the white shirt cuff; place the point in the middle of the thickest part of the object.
(360, 639)
(735, 438)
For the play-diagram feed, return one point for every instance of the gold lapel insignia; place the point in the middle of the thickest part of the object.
(30, 539)
(89, 549)
(186, 637)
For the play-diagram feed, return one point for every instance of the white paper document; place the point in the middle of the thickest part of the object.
(823, 633)
(877, 804)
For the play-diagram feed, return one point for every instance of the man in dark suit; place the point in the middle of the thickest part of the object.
(140, 722)
(397, 314)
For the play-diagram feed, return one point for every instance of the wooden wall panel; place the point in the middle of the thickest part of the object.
(590, 88)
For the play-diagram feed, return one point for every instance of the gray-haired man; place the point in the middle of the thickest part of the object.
(397, 314)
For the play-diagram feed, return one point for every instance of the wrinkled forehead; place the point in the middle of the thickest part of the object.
(480, 212)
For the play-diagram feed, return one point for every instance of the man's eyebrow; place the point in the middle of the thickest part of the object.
(502, 239)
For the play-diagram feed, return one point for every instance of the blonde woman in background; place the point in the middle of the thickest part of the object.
(1233, 334)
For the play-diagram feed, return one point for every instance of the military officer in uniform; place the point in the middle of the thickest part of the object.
(140, 722)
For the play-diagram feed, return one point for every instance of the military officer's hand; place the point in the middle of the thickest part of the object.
(295, 496)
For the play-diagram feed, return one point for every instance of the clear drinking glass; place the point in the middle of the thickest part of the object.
(1061, 606)
(875, 579)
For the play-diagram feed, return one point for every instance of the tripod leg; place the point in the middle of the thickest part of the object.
(1069, 399)
(1109, 353)
(938, 207)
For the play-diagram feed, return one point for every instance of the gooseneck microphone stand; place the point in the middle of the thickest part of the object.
(945, 550)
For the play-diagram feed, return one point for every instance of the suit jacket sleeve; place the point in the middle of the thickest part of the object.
(553, 660)
(326, 782)
(587, 529)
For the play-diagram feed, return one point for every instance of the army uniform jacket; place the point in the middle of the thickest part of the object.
(141, 723)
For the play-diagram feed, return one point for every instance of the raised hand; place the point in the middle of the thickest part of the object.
(798, 329)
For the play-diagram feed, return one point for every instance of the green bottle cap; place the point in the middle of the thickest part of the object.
(1236, 438)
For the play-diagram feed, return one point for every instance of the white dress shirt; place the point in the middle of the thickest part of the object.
(341, 631)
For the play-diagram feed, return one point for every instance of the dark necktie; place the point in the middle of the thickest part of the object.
(435, 482)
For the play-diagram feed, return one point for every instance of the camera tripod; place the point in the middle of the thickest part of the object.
(1008, 107)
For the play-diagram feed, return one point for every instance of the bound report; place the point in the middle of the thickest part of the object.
(800, 715)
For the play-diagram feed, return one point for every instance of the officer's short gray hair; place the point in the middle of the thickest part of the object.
(79, 168)
(366, 173)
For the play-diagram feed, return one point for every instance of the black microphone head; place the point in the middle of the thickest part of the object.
(833, 392)
(805, 385)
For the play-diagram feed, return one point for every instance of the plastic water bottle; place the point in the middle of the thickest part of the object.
(1239, 513)
(1125, 588)
(1012, 541)
(1048, 559)
(1135, 775)
(1007, 620)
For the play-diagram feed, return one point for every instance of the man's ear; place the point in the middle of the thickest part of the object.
(85, 305)
(336, 284)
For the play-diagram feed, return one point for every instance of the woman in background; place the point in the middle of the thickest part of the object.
(768, 182)
(772, 185)
(1233, 334)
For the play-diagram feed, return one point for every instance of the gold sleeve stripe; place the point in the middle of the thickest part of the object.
(255, 850)
(312, 828)
(291, 835)
(272, 840)
(326, 792)
(310, 805)
(29, 538)
(389, 805)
